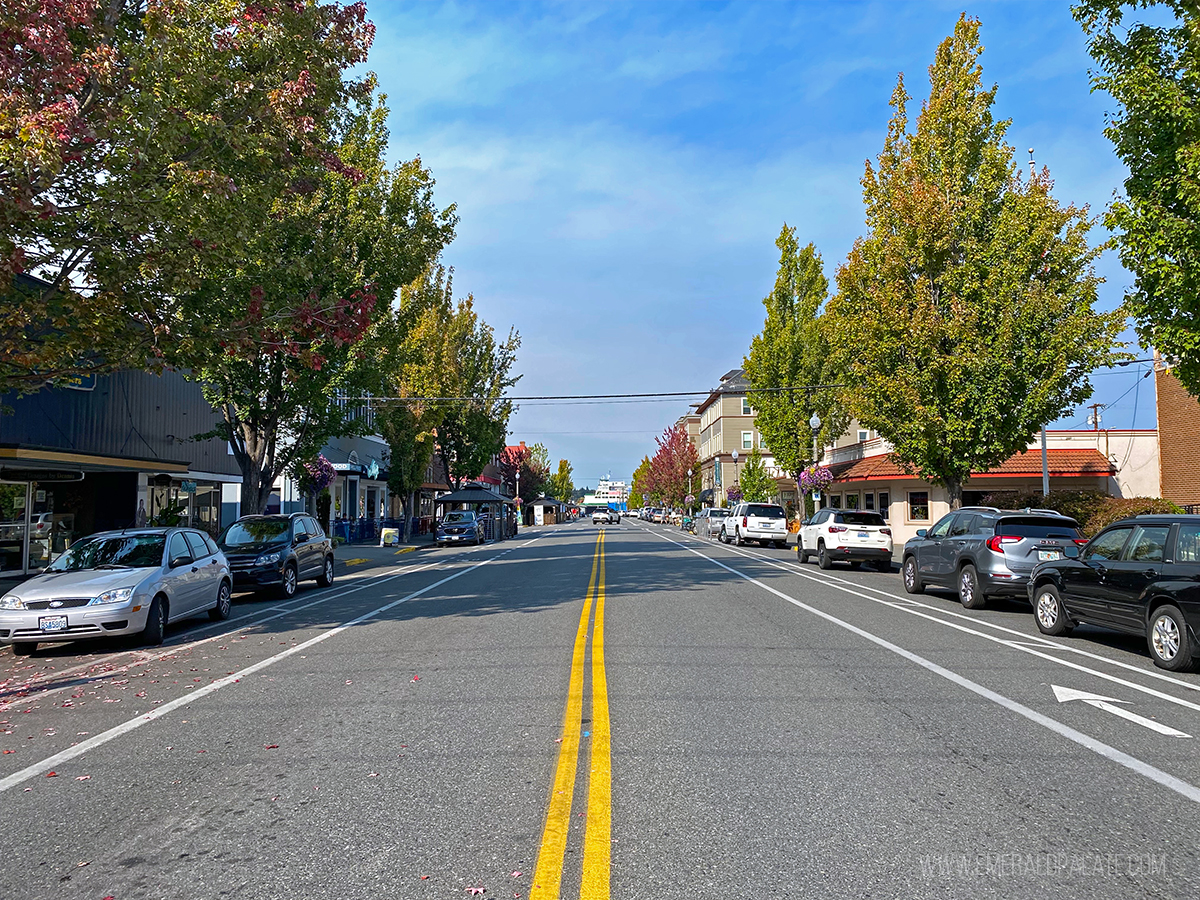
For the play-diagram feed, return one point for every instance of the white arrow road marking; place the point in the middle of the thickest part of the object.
(1066, 695)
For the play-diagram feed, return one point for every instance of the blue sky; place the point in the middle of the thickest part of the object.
(622, 171)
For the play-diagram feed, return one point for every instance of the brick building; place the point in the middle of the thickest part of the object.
(1178, 429)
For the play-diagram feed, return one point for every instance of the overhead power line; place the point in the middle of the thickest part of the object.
(584, 398)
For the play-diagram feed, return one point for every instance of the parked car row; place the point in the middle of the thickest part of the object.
(135, 581)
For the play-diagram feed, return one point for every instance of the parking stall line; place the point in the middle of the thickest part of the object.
(1028, 644)
(91, 743)
(146, 656)
(1165, 779)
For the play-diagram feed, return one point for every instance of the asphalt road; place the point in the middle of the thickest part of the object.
(624, 712)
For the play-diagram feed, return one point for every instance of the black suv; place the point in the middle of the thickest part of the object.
(1140, 576)
(277, 551)
(982, 552)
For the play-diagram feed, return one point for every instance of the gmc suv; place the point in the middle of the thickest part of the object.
(986, 552)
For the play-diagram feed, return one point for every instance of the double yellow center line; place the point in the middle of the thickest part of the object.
(597, 844)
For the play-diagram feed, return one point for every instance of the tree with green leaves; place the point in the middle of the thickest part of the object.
(277, 339)
(560, 486)
(141, 143)
(412, 358)
(964, 319)
(1153, 72)
(639, 485)
(790, 351)
(755, 481)
(473, 429)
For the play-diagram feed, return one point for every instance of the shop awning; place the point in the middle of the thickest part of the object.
(473, 493)
(1061, 463)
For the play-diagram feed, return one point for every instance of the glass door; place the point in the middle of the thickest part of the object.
(14, 527)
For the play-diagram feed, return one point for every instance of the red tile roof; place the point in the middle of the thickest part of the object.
(1062, 463)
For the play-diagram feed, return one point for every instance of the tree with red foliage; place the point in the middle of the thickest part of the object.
(284, 349)
(668, 476)
(142, 143)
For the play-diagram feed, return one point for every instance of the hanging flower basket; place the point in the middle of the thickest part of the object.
(734, 494)
(815, 478)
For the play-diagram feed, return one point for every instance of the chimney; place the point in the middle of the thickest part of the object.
(522, 445)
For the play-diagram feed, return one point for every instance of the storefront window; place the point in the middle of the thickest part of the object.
(918, 506)
(13, 499)
(884, 503)
(852, 501)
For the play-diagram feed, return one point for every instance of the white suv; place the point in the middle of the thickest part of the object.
(762, 522)
(855, 536)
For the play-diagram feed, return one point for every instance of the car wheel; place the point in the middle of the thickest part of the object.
(800, 551)
(1049, 612)
(224, 603)
(912, 582)
(969, 594)
(823, 559)
(24, 648)
(290, 580)
(326, 577)
(1168, 640)
(737, 537)
(156, 623)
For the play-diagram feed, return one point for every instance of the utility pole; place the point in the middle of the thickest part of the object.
(1045, 458)
(1094, 418)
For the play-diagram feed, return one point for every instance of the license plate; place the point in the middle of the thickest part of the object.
(52, 623)
(1044, 555)
(862, 536)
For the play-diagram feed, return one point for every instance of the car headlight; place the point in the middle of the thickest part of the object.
(11, 601)
(267, 559)
(119, 595)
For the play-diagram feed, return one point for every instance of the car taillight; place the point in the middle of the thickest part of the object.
(996, 544)
(834, 529)
(745, 523)
(886, 531)
(1081, 541)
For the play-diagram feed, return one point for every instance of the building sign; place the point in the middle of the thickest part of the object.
(43, 475)
(187, 487)
(76, 382)
(373, 469)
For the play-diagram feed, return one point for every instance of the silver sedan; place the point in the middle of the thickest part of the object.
(118, 583)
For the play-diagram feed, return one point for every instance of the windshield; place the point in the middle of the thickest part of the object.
(255, 531)
(719, 513)
(860, 518)
(126, 551)
(459, 517)
(765, 512)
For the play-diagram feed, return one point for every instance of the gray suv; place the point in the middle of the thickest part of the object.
(982, 552)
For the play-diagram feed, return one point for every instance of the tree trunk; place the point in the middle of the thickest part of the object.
(954, 489)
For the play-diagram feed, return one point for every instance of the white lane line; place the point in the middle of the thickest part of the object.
(149, 657)
(50, 762)
(179, 642)
(1167, 780)
(1023, 646)
(1045, 642)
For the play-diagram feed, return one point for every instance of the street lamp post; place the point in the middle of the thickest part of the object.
(689, 489)
(735, 470)
(815, 424)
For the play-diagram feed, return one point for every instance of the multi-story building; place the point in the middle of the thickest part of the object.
(727, 427)
(1178, 425)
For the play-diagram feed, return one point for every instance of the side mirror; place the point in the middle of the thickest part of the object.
(178, 561)
(921, 532)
